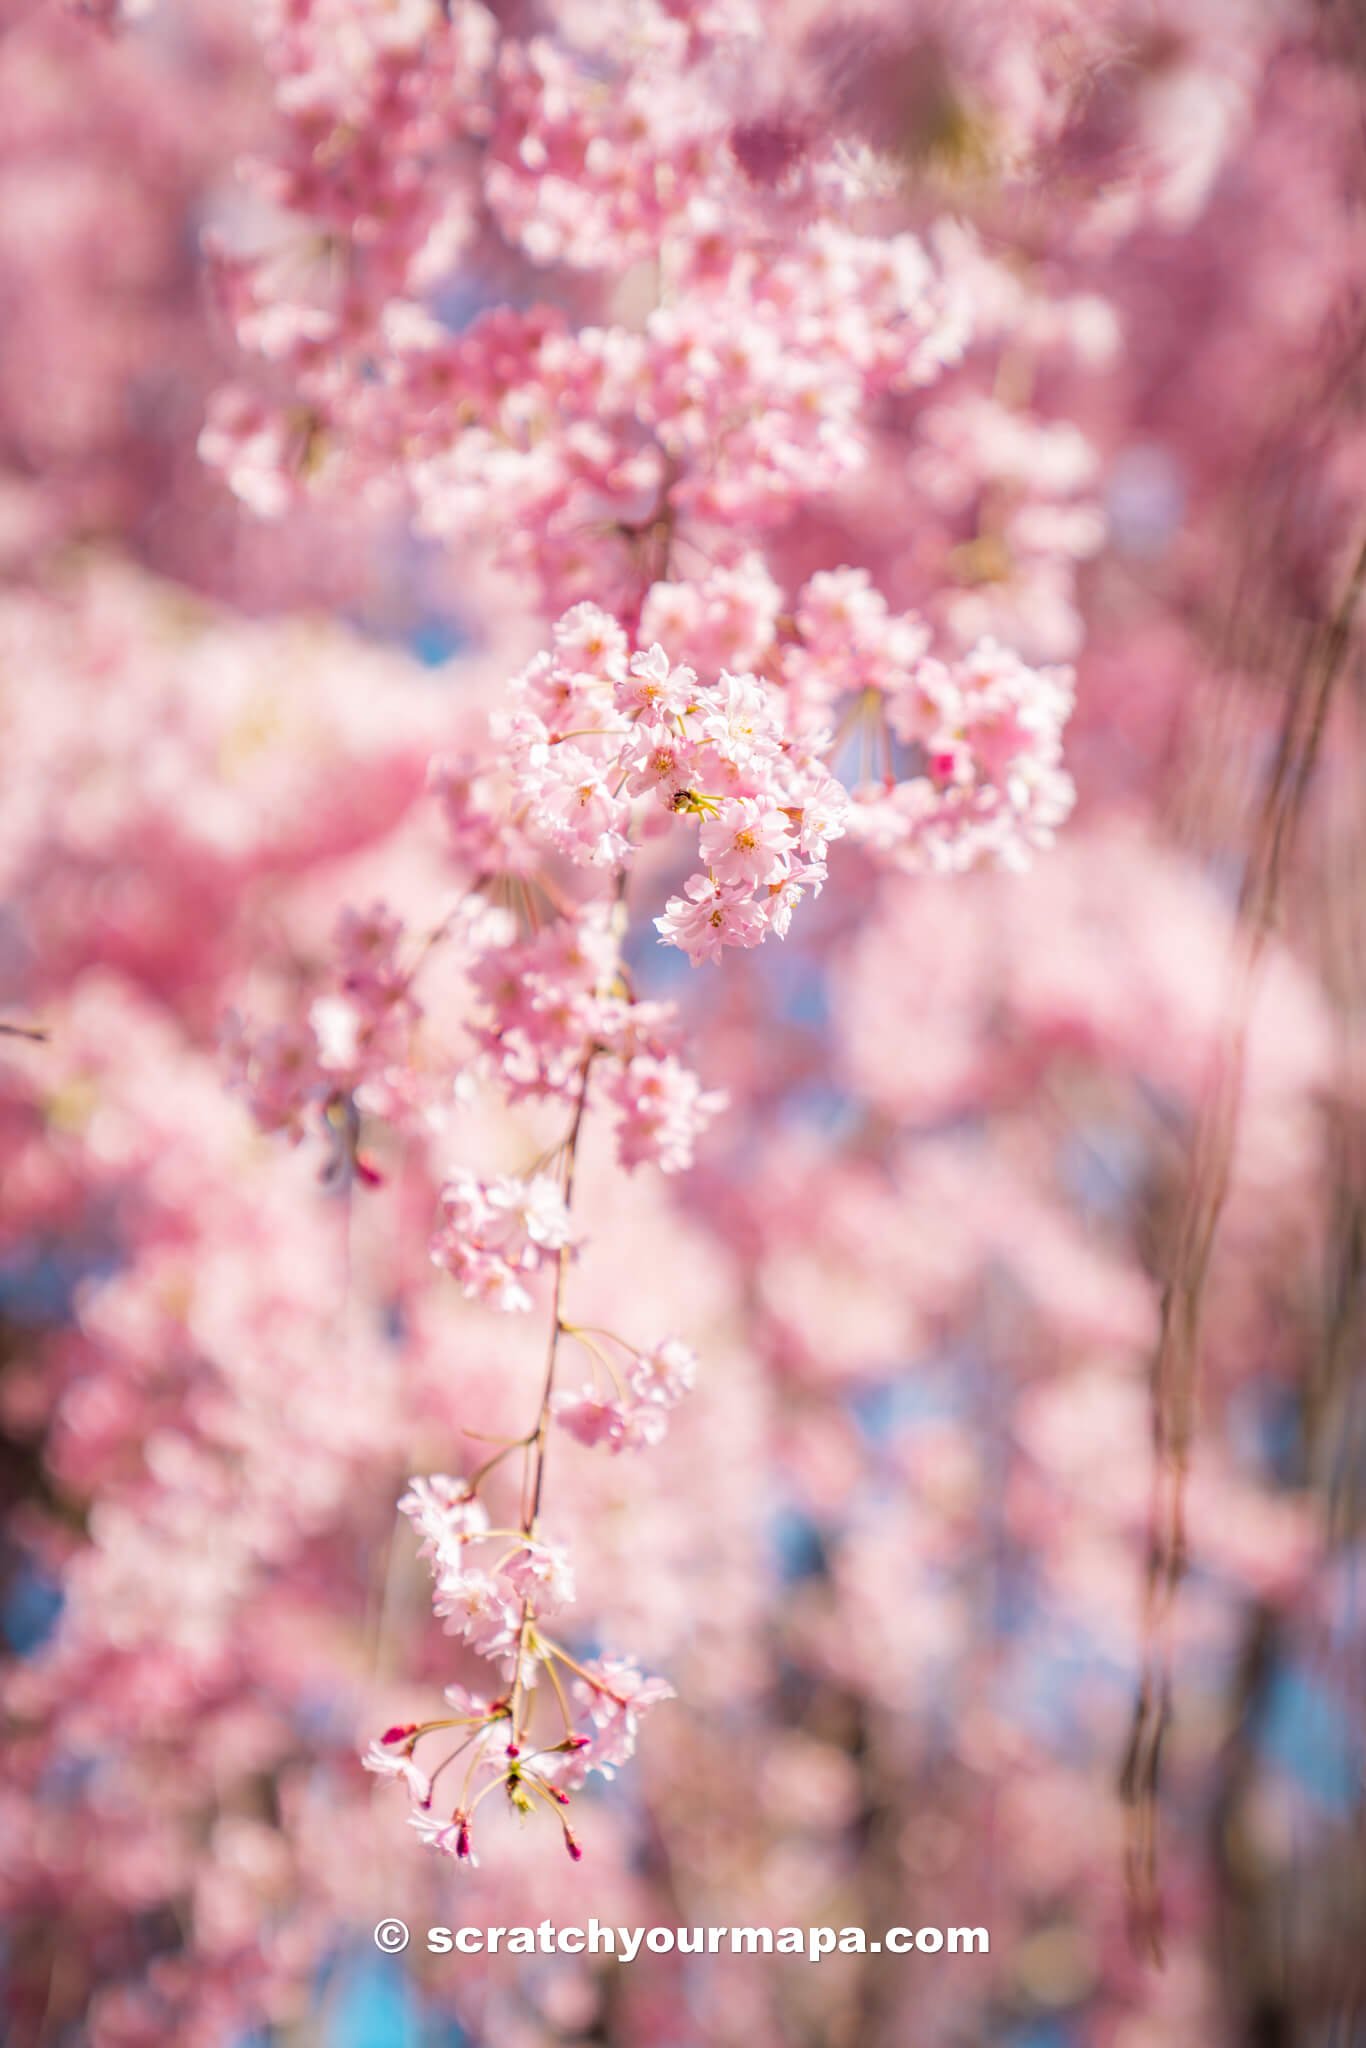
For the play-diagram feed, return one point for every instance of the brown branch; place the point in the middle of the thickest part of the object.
(1176, 1369)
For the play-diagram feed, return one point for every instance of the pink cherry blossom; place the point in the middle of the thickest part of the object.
(708, 917)
(542, 1574)
(664, 1374)
(491, 1233)
(664, 1110)
(387, 1763)
(478, 1608)
(451, 1837)
(745, 842)
(445, 1514)
(616, 1695)
(590, 1419)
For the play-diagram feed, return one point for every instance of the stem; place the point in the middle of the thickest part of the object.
(571, 1153)
(574, 1665)
(443, 930)
(595, 1330)
(477, 1478)
(539, 1434)
(595, 1350)
(553, 1675)
(475, 1721)
(454, 1757)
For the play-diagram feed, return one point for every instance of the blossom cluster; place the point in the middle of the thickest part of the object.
(498, 1607)
(593, 728)
(308, 1072)
(981, 735)
(492, 1233)
(631, 1412)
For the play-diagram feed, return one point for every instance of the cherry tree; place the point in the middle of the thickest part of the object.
(615, 1043)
